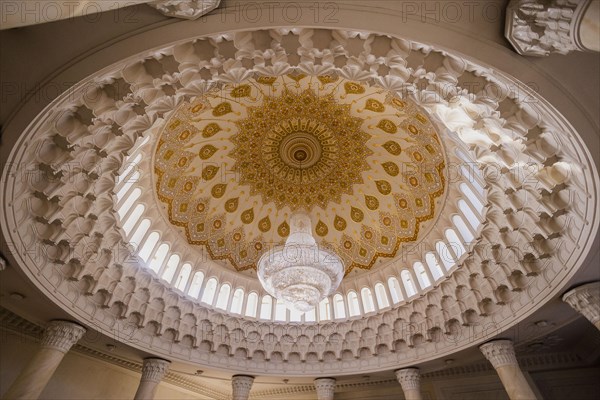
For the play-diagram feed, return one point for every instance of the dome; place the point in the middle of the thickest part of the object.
(156, 186)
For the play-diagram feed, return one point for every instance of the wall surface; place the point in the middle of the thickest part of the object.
(83, 377)
(78, 377)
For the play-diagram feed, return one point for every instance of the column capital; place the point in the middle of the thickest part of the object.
(187, 9)
(543, 27)
(585, 299)
(61, 335)
(325, 388)
(409, 378)
(154, 369)
(241, 385)
(499, 353)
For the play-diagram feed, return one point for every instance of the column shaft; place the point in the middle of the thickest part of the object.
(241, 385)
(585, 299)
(515, 383)
(325, 388)
(153, 370)
(58, 338)
(410, 380)
(502, 356)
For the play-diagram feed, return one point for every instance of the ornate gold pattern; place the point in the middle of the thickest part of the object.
(235, 163)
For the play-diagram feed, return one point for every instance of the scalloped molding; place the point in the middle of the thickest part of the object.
(481, 298)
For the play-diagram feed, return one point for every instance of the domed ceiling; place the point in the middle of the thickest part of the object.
(232, 166)
(263, 144)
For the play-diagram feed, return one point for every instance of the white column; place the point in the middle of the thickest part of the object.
(501, 354)
(153, 371)
(585, 299)
(58, 338)
(241, 385)
(410, 380)
(325, 388)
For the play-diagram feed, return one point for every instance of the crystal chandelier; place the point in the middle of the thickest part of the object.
(300, 273)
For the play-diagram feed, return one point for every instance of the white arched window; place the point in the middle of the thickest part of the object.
(353, 308)
(395, 291)
(444, 254)
(266, 307)
(196, 284)
(127, 184)
(422, 277)
(280, 311)
(169, 271)
(251, 305)
(469, 214)
(209, 291)
(408, 283)
(381, 296)
(139, 233)
(311, 315)
(236, 302)
(133, 218)
(367, 300)
(223, 297)
(472, 197)
(457, 245)
(129, 166)
(324, 310)
(128, 203)
(159, 257)
(148, 246)
(338, 306)
(295, 315)
(434, 266)
(464, 231)
(473, 176)
(183, 277)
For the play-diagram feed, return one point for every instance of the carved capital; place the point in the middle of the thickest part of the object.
(61, 335)
(154, 369)
(187, 9)
(499, 353)
(241, 385)
(585, 299)
(542, 27)
(325, 388)
(409, 378)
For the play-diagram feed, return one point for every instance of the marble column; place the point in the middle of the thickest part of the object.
(58, 338)
(410, 380)
(325, 388)
(501, 354)
(153, 371)
(585, 299)
(241, 385)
